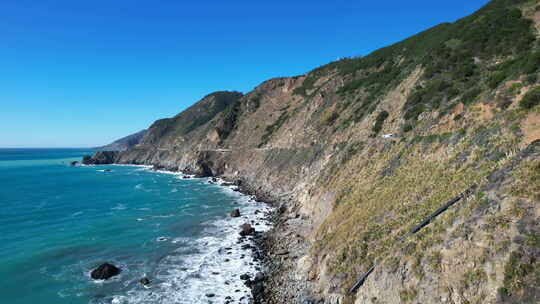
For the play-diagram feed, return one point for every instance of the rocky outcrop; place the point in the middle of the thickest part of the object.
(317, 146)
(101, 158)
(246, 230)
(105, 271)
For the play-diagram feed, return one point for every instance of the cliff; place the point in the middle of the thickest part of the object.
(123, 143)
(362, 150)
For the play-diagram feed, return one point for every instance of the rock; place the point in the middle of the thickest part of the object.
(144, 281)
(74, 163)
(257, 292)
(235, 213)
(244, 277)
(259, 277)
(105, 271)
(247, 230)
(100, 158)
(210, 295)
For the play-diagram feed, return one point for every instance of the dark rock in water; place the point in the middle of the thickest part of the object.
(100, 158)
(105, 271)
(210, 295)
(257, 292)
(235, 213)
(108, 170)
(244, 277)
(144, 281)
(74, 163)
(247, 230)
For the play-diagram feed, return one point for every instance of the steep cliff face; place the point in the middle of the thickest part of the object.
(362, 150)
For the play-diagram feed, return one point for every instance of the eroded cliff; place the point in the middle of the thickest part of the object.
(361, 150)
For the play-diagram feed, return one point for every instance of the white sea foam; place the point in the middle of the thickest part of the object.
(211, 264)
(119, 207)
(128, 165)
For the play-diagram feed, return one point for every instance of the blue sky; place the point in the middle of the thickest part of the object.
(84, 73)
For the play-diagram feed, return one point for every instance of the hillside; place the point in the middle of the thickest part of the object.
(123, 143)
(360, 151)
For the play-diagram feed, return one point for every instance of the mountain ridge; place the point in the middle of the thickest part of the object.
(123, 143)
(359, 151)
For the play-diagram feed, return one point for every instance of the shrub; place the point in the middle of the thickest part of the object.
(379, 122)
(532, 78)
(408, 128)
(471, 95)
(531, 99)
(496, 78)
(533, 63)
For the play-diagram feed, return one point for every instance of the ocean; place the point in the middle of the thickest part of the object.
(58, 222)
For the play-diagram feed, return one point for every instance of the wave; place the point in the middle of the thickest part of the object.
(208, 266)
(119, 206)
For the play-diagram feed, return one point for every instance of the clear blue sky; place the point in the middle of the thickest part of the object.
(83, 73)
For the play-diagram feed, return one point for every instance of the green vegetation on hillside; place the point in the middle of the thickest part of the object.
(460, 61)
(195, 116)
(531, 99)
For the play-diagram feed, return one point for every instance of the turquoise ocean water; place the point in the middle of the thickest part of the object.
(58, 222)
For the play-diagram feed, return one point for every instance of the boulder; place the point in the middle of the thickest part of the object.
(104, 272)
(247, 230)
(235, 213)
(101, 158)
(74, 163)
(144, 281)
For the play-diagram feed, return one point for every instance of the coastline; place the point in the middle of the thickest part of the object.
(258, 247)
(284, 273)
(276, 251)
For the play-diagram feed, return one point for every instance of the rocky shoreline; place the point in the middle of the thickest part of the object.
(278, 250)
